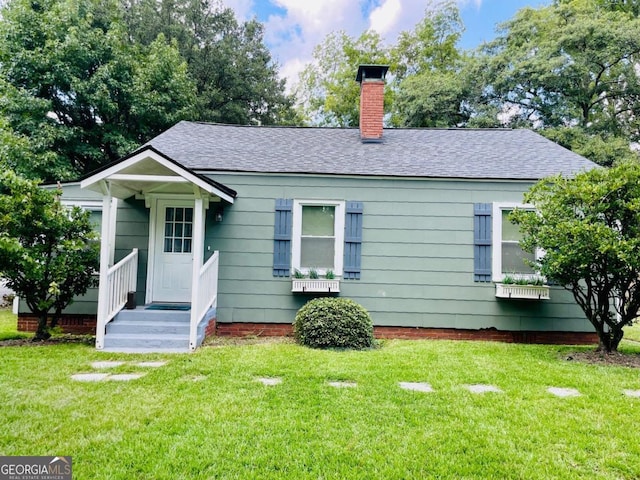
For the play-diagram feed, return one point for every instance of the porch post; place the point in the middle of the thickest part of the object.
(105, 254)
(198, 255)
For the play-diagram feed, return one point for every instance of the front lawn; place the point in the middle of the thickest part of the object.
(8, 326)
(633, 332)
(206, 416)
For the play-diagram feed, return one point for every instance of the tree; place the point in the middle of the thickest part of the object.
(432, 83)
(571, 64)
(424, 84)
(235, 77)
(48, 253)
(589, 228)
(327, 90)
(75, 86)
(605, 152)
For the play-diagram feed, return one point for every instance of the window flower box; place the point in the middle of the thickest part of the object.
(527, 292)
(315, 285)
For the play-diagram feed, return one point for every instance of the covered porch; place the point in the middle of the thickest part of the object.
(181, 273)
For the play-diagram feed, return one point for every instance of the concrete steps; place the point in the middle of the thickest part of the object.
(144, 331)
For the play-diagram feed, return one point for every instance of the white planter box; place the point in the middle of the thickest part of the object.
(315, 285)
(530, 292)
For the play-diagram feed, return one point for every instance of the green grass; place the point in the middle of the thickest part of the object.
(204, 415)
(633, 332)
(8, 326)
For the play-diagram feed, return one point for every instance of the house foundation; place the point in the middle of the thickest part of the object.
(86, 325)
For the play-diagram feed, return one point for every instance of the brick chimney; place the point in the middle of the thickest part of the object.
(371, 79)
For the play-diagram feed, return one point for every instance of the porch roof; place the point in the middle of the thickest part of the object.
(147, 171)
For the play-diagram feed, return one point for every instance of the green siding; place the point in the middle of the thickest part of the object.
(417, 255)
(132, 231)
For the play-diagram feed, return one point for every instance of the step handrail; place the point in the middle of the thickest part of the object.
(121, 279)
(204, 296)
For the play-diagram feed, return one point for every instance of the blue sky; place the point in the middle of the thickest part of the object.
(294, 27)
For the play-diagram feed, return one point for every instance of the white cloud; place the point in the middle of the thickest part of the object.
(385, 17)
(292, 35)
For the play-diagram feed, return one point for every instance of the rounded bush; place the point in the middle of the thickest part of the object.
(333, 323)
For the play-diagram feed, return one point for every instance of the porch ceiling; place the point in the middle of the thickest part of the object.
(149, 171)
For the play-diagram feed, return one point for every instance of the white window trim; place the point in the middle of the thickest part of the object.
(297, 234)
(496, 238)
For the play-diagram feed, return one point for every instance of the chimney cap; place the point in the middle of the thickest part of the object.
(377, 72)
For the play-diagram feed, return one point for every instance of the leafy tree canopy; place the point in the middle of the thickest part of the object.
(589, 229)
(235, 76)
(327, 90)
(571, 64)
(88, 81)
(432, 82)
(76, 87)
(48, 253)
(426, 58)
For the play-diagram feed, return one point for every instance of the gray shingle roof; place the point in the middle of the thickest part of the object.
(448, 153)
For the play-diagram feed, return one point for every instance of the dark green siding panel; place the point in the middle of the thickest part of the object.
(417, 253)
(417, 222)
(132, 231)
(383, 266)
(73, 192)
(413, 249)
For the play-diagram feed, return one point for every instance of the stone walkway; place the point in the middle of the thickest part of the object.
(423, 387)
(561, 392)
(115, 377)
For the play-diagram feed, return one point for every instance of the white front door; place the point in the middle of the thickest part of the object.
(173, 258)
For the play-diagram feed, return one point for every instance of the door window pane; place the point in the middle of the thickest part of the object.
(177, 229)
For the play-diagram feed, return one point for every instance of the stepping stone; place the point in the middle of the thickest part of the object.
(108, 364)
(125, 377)
(157, 364)
(89, 377)
(269, 381)
(483, 388)
(632, 393)
(198, 378)
(563, 392)
(417, 387)
(343, 384)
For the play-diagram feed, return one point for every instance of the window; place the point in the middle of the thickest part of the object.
(508, 256)
(318, 236)
(178, 228)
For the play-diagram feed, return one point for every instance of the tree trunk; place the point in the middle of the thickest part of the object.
(608, 341)
(56, 318)
(42, 333)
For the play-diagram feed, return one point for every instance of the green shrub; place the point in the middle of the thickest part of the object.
(333, 323)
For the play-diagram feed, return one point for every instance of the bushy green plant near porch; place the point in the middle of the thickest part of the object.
(48, 253)
(333, 323)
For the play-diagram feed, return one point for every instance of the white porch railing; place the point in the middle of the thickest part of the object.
(204, 296)
(120, 280)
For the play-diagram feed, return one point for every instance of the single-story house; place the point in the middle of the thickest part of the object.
(218, 228)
